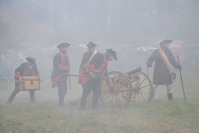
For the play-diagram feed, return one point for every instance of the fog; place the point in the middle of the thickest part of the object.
(35, 27)
(109, 22)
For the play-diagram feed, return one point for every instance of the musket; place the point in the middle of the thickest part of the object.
(106, 76)
(181, 79)
(76, 75)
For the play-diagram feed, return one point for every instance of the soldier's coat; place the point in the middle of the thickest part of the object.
(161, 75)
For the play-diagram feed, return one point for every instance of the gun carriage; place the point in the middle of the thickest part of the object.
(119, 89)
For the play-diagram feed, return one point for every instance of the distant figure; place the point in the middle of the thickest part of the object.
(162, 75)
(95, 70)
(26, 69)
(61, 68)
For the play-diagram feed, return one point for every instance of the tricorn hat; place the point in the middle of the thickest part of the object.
(91, 44)
(31, 59)
(164, 42)
(112, 52)
(64, 44)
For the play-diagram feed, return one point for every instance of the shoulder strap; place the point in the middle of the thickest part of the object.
(165, 59)
(95, 52)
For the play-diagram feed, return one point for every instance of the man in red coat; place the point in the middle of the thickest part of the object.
(96, 69)
(162, 75)
(25, 69)
(61, 68)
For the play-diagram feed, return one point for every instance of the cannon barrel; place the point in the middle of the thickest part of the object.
(134, 71)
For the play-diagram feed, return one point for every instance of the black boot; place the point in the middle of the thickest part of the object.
(170, 96)
(12, 96)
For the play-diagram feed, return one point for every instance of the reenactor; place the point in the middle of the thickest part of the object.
(162, 75)
(61, 68)
(29, 69)
(95, 71)
(87, 57)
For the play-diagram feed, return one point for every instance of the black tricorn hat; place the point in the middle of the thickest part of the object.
(112, 52)
(91, 44)
(31, 59)
(164, 42)
(64, 44)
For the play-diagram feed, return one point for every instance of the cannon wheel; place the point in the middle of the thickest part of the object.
(141, 86)
(116, 90)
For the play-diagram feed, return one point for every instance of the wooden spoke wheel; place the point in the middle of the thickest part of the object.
(116, 90)
(141, 86)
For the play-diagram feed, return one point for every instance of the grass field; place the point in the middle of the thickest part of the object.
(45, 116)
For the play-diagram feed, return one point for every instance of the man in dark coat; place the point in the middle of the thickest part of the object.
(25, 69)
(162, 75)
(96, 69)
(61, 68)
(86, 59)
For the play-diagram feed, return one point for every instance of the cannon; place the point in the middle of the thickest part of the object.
(120, 89)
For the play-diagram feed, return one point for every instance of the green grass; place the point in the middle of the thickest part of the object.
(45, 116)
